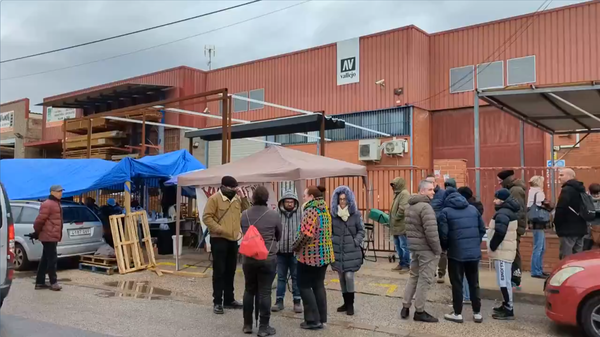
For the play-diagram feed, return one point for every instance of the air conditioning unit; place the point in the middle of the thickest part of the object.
(396, 147)
(368, 150)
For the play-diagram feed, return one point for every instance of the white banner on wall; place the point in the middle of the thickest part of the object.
(348, 61)
(54, 115)
(7, 120)
(203, 193)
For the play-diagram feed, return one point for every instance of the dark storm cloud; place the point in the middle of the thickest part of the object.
(33, 26)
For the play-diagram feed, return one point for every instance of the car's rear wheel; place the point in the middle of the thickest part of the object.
(590, 316)
(21, 260)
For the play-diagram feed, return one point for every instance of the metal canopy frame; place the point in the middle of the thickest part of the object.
(558, 110)
(271, 127)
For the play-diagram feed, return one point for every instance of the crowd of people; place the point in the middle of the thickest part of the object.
(437, 231)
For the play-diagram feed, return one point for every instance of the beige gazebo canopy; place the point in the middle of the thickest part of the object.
(274, 164)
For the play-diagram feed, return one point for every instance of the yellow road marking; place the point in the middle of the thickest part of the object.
(390, 287)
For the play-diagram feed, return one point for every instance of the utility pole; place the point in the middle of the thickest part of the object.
(209, 51)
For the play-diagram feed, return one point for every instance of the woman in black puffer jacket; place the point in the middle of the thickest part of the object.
(348, 234)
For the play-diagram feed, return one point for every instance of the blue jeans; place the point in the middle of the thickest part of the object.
(466, 294)
(401, 243)
(286, 262)
(539, 247)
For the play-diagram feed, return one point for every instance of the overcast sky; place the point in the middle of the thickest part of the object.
(33, 26)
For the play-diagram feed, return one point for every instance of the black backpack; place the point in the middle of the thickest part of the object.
(587, 210)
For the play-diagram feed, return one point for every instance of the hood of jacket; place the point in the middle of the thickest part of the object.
(289, 195)
(511, 204)
(455, 200)
(349, 197)
(511, 182)
(577, 185)
(398, 184)
(417, 198)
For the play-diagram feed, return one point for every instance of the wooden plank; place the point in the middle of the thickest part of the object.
(98, 135)
(98, 260)
(108, 270)
(82, 144)
(180, 273)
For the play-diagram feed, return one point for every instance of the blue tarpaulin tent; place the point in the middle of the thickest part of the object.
(32, 178)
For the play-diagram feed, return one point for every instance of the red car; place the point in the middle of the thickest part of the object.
(573, 292)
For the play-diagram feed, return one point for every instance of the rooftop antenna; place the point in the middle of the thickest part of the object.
(209, 51)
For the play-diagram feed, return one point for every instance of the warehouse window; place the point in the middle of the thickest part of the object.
(490, 75)
(259, 95)
(395, 122)
(521, 70)
(240, 105)
(461, 79)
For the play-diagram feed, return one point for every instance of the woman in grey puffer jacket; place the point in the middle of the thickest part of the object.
(348, 234)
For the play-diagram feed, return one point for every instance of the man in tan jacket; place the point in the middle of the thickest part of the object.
(222, 216)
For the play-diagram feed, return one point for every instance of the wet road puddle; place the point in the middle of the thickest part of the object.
(135, 289)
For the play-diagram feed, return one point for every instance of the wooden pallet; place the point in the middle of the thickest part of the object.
(128, 249)
(106, 270)
(98, 260)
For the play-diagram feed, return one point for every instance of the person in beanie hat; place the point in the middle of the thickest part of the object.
(502, 248)
(438, 204)
(517, 189)
(222, 216)
(398, 223)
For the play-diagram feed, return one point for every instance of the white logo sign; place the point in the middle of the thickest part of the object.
(59, 114)
(7, 119)
(348, 61)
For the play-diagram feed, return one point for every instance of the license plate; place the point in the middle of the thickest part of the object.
(80, 232)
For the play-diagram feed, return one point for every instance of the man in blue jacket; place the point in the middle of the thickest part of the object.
(461, 231)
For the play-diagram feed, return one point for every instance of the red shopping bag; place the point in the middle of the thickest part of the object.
(253, 245)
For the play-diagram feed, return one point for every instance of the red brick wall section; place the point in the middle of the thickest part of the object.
(451, 168)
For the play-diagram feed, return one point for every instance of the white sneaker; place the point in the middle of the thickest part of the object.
(454, 318)
(477, 317)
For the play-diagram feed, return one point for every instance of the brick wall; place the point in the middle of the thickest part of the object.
(452, 168)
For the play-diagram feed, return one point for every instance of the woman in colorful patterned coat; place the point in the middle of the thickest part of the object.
(314, 252)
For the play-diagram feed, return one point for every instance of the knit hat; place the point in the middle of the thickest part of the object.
(450, 182)
(505, 174)
(229, 181)
(466, 192)
(502, 194)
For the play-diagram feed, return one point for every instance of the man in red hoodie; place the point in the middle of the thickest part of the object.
(48, 227)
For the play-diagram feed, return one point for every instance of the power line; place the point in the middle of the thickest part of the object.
(529, 22)
(130, 33)
(155, 46)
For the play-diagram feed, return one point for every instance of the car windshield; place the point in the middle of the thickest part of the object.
(78, 214)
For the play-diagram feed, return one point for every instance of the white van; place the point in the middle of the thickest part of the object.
(7, 245)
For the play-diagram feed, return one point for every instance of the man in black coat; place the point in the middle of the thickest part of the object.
(570, 227)
(517, 189)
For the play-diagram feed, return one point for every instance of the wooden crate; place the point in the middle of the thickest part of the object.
(128, 248)
(101, 142)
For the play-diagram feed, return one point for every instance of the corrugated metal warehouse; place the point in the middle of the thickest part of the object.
(427, 94)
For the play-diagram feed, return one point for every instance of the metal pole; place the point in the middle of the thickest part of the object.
(224, 132)
(522, 150)
(64, 140)
(143, 148)
(476, 141)
(206, 149)
(177, 226)
(412, 162)
(229, 125)
(89, 139)
(553, 192)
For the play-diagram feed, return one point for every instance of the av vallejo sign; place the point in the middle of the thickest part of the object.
(348, 61)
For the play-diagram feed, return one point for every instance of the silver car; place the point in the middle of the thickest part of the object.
(82, 232)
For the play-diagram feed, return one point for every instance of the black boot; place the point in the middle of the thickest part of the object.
(350, 311)
(344, 307)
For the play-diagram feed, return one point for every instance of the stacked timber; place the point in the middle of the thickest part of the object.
(104, 145)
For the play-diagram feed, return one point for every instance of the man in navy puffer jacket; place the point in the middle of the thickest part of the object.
(461, 231)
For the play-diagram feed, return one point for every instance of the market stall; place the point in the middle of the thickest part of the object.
(273, 164)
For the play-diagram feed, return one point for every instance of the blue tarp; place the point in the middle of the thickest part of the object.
(32, 178)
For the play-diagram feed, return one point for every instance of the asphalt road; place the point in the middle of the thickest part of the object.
(100, 306)
(14, 326)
